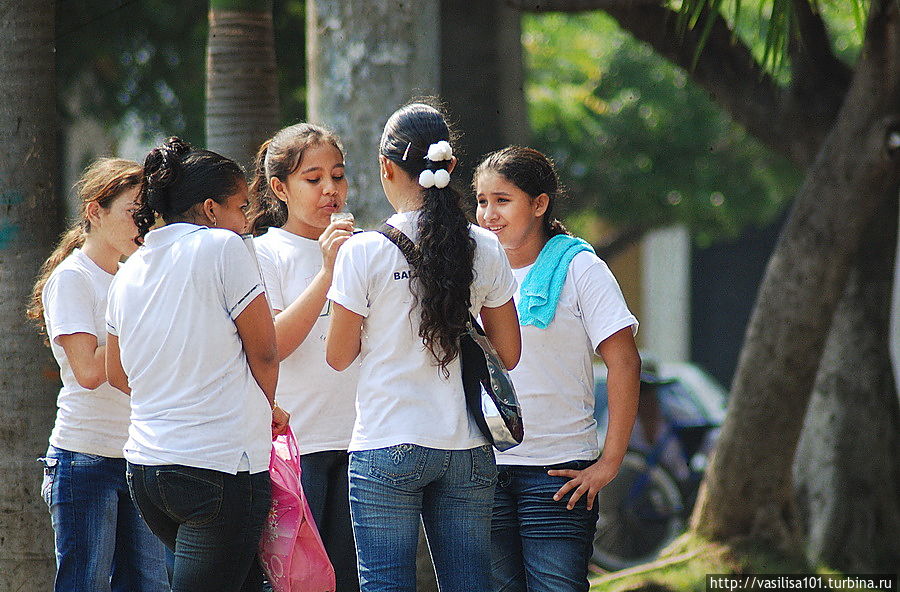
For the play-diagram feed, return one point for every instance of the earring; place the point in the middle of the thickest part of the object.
(214, 221)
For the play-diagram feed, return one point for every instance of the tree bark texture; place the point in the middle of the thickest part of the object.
(241, 79)
(748, 486)
(29, 380)
(364, 60)
(847, 467)
(482, 80)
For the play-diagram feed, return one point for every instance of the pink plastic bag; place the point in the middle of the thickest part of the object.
(291, 550)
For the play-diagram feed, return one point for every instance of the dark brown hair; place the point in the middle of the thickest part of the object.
(442, 269)
(278, 157)
(532, 172)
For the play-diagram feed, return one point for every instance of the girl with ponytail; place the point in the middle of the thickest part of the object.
(191, 339)
(299, 183)
(545, 509)
(101, 541)
(416, 454)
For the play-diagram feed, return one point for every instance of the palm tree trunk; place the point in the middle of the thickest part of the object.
(28, 225)
(241, 83)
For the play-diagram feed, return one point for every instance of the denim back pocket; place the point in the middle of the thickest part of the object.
(399, 464)
(484, 468)
(191, 495)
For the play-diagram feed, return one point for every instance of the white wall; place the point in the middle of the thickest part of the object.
(665, 330)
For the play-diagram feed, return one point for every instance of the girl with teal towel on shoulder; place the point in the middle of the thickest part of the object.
(570, 308)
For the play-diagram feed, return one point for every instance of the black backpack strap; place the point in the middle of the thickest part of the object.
(399, 238)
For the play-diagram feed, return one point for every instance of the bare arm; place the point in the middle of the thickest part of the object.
(344, 337)
(623, 384)
(501, 325)
(257, 333)
(87, 359)
(114, 371)
(293, 324)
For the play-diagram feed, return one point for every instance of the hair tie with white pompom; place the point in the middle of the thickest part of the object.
(440, 178)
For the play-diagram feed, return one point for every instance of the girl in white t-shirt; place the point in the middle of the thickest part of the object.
(191, 340)
(570, 308)
(299, 183)
(101, 541)
(416, 454)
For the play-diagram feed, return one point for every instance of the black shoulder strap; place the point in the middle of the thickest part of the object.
(410, 251)
(399, 238)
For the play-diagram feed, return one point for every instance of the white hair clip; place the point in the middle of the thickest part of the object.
(440, 151)
(439, 178)
(406, 152)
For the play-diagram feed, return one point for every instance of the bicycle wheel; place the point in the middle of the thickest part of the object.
(641, 511)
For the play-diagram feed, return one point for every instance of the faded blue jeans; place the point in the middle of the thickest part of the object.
(102, 543)
(536, 543)
(450, 491)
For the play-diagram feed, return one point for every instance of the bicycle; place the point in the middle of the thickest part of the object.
(647, 505)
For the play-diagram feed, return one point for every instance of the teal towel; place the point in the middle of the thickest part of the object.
(539, 293)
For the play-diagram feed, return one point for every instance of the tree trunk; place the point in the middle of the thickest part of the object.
(748, 486)
(364, 60)
(482, 80)
(847, 468)
(28, 225)
(241, 83)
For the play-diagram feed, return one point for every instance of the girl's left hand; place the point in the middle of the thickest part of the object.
(587, 482)
(280, 420)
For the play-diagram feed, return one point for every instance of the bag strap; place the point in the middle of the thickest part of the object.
(411, 252)
(399, 238)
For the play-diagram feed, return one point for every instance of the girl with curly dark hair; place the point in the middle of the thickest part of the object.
(415, 452)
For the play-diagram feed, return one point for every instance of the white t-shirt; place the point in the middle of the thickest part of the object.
(89, 421)
(194, 401)
(554, 379)
(319, 398)
(402, 397)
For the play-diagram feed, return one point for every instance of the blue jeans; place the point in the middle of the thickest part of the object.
(102, 543)
(212, 520)
(536, 543)
(324, 479)
(451, 491)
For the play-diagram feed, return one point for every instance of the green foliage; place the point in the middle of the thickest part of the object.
(638, 144)
(143, 63)
(768, 26)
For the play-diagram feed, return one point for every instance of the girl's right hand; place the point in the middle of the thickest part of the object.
(334, 235)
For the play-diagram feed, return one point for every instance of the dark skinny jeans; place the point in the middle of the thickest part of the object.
(210, 519)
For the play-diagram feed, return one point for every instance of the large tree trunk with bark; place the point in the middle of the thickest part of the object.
(241, 81)
(748, 486)
(29, 381)
(847, 468)
(364, 60)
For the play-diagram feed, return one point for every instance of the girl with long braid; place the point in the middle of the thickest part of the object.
(416, 453)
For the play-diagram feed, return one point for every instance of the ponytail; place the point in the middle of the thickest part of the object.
(443, 269)
(266, 210)
(102, 182)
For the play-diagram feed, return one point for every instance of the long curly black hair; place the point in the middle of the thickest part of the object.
(442, 268)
